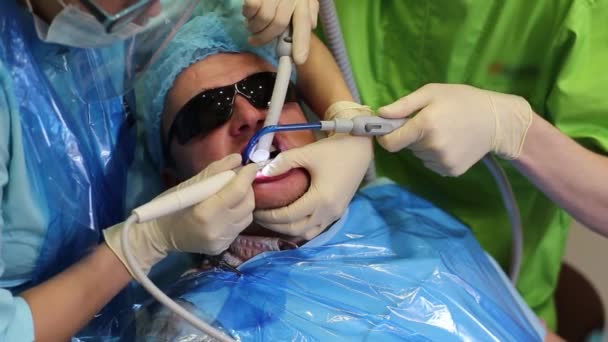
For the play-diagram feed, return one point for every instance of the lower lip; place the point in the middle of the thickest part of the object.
(261, 179)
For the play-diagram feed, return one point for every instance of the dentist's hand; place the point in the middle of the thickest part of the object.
(267, 19)
(456, 125)
(336, 165)
(208, 227)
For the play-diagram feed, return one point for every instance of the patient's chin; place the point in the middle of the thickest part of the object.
(280, 191)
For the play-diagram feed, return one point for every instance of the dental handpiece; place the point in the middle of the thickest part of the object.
(187, 196)
(183, 198)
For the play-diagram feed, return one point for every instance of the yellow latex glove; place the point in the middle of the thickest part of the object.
(456, 125)
(267, 19)
(208, 227)
(336, 165)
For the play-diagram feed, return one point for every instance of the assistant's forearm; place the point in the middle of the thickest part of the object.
(320, 80)
(572, 176)
(64, 304)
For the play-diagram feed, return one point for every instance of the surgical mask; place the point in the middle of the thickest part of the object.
(120, 58)
(73, 27)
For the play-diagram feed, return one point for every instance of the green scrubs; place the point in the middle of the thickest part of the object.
(553, 53)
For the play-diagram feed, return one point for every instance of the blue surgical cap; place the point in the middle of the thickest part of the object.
(203, 36)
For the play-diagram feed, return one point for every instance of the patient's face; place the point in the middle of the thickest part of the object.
(232, 137)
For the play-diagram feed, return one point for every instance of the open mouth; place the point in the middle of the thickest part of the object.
(284, 187)
(274, 151)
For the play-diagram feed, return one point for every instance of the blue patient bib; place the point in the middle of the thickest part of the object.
(396, 268)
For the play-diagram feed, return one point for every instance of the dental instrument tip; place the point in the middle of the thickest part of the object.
(259, 156)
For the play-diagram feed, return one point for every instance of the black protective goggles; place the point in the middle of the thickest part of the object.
(212, 108)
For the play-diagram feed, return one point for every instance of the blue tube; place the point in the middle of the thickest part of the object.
(276, 128)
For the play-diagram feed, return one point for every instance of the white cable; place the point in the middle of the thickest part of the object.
(508, 198)
(164, 205)
(160, 295)
(335, 39)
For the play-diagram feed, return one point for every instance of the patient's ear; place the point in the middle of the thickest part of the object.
(169, 177)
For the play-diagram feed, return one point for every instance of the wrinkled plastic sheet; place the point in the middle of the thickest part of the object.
(77, 144)
(395, 268)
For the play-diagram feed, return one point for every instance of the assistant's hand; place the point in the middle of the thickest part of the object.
(267, 19)
(208, 227)
(457, 125)
(336, 165)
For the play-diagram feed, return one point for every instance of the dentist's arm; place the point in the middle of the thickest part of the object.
(64, 304)
(456, 125)
(569, 174)
(320, 80)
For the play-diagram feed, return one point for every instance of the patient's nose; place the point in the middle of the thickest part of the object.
(246, 118)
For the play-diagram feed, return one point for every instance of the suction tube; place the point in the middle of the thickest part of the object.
(335, 39)
(264, 132)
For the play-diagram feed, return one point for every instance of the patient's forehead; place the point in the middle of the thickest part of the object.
(212, 72)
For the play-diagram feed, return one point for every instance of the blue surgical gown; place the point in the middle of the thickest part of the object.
(67, 140)
(61, 174)
(22, 221)
(394, 268)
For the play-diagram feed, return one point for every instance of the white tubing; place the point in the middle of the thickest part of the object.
(164, 205)
(335, 40)
(508, 198)
(160, 295)
(274, 111)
